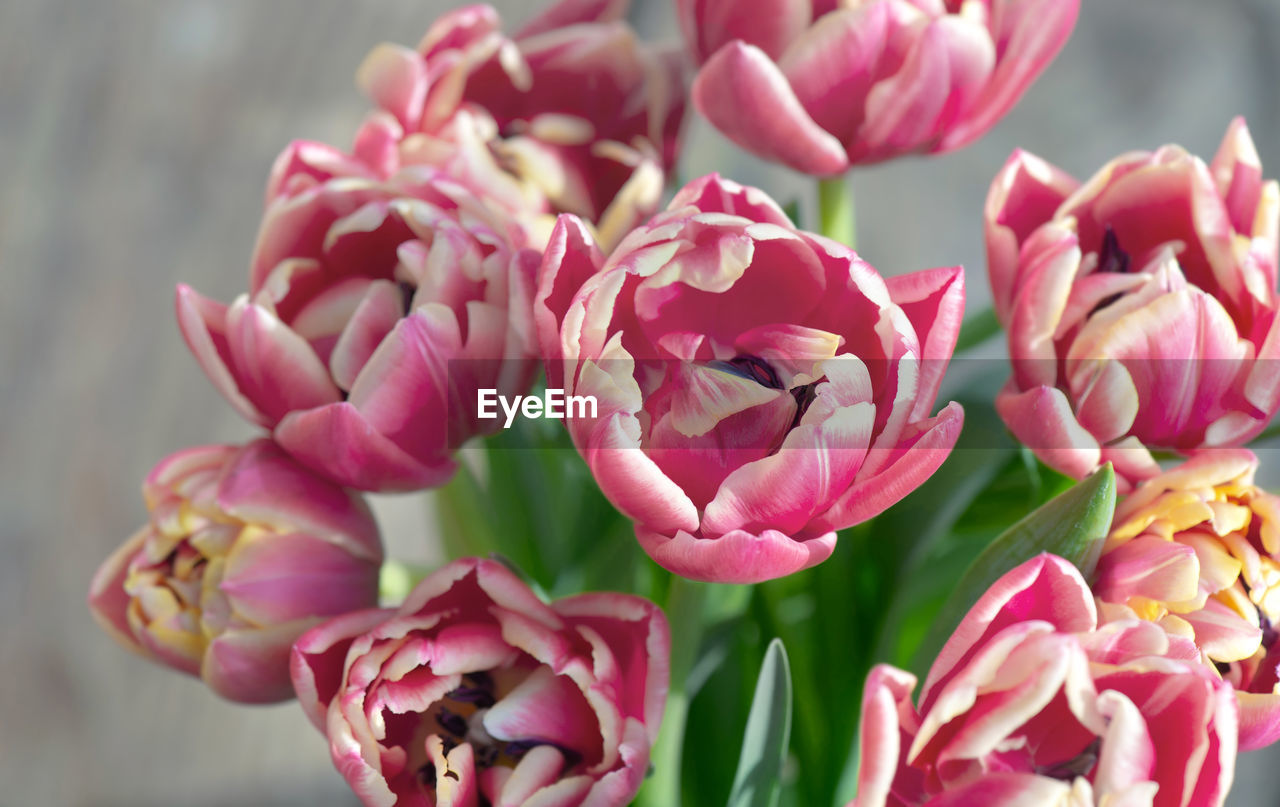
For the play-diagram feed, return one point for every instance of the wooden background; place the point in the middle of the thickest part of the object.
(135, 136)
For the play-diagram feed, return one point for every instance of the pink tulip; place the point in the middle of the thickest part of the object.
(1197, 550)
(475, 692)
(245, 550)
(1141, 306)
(757, 387)
(573, 104)
(380, 297)
(822, 85)
(1032, 703)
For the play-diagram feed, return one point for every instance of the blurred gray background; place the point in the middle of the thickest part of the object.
(135, 137)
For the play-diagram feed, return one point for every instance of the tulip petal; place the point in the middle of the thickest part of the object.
(744, 95)
(633, 482)
(274, 367)
(203, 323)
(1041, 419)
(887, 713)
(108, 600)
(909, 111)
(1024, 195)
(252, 666)
(1030, 35)
(339, 442)
(263, 486)
(545, 707)
(1148, 567)
(316, 660)
(904, 468)
(1259, 719)
(1045, 588)
(395, 79)
(735, 557)
(933, 300)
(785, 490)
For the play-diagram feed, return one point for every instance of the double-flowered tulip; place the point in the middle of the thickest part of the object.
(380, 297)
(244, 551)
(820, 85)
(1197, 549)
(1141, 305)
(573, 104)
(1031, 702)
(758, 387)
(476, 692)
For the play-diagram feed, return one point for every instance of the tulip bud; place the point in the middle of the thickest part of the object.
(244, 551)
(1141, 306)
(821, 86)
(376, 302)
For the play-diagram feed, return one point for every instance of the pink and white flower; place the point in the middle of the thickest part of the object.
(821, 85)
(1032, 702)
(475, 691)
(245, 550)
(574, 104)
(381, 297)
(1141, 305)
(758, 387)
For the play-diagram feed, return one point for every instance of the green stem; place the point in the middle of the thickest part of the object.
(684, 606)
(977, 329)
(462, 511)
(835, 210)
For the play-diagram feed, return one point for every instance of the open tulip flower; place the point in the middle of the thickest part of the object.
(573, 104)
(820, 85)
(1197, 549)
(380, 296)
(476, 692)
(1032, 703)
(1141, 306)
(245, 550)
(758, 387)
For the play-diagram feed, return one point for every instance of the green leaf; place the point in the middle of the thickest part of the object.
(1072, 525)
(758, 782)
(977, 329)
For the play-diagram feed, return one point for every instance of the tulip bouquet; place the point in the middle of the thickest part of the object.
(708, 515)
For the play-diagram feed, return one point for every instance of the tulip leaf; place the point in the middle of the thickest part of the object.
(758, 781)
(1071, 525)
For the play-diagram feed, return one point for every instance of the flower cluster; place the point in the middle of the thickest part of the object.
(756, 387)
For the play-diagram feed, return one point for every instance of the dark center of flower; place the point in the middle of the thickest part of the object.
(1111, 260)
(460, 717)
(752, 368)
(1269, 633)
(407, 290)
(1079, 765)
